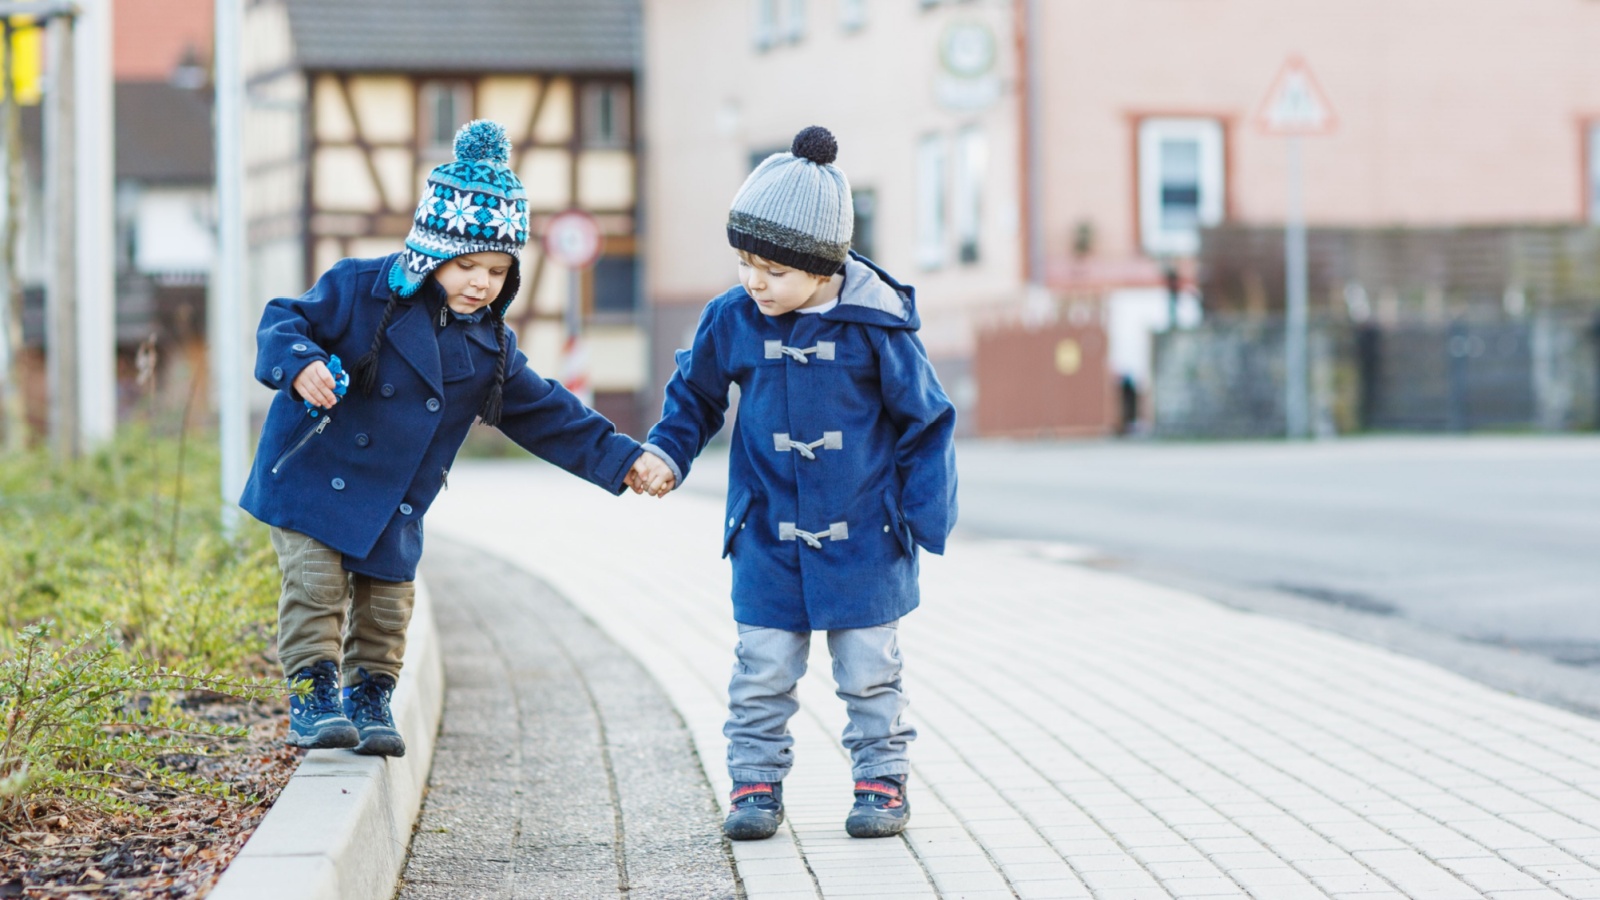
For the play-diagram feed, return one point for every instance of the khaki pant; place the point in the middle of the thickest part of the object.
(325, 612)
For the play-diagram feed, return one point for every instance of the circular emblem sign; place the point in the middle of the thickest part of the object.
(967, 49)
(573, 239)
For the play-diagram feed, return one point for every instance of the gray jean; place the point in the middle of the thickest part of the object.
(761, 699)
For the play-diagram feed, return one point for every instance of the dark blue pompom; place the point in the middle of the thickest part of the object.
(816, 144)
(482, 139)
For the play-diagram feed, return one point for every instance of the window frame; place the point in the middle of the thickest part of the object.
(430, 144)
(1210, 135)
(589, 94)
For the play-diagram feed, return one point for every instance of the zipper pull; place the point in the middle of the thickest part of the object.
(444, 478)
(443, 311)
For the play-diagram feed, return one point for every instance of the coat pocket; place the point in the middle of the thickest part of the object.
(738, 507)
(897, 522)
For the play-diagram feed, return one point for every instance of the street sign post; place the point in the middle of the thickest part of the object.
(572, 239)
(1296, 107)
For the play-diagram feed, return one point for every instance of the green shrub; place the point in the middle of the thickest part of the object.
(118, 589)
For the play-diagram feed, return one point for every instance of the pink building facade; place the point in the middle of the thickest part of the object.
(1036, 161)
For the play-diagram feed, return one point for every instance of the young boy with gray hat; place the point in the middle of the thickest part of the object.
(841, 466)
(344, 479)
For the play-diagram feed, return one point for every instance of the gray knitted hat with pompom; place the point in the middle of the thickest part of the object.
(795, 208)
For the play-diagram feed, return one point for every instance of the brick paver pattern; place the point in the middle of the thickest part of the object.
(1087, 735)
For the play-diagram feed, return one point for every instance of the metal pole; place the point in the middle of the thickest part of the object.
(93, 209)
(228, 353)
(61, 345)
(1032, 199)
(16, 419)
(1297, 402)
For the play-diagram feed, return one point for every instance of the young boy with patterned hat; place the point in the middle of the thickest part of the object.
(841, 466)
(345, 477)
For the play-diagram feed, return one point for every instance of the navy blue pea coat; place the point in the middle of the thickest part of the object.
(842, 460)
(360, 476)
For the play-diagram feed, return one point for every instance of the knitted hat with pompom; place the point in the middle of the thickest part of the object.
(472, 204)
(795, 208)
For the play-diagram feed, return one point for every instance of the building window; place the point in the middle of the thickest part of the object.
(607, 113)
(1594, 174)
(765, 20)
(972, 158)
(864, 202)
(446, 106)
(852, 14)
(794, 20)
(930, 201)
(1180, 183)
(615, 280)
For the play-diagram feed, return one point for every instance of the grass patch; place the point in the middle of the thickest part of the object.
(123, 605)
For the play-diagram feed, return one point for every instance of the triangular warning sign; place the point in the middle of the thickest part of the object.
(1296, 105)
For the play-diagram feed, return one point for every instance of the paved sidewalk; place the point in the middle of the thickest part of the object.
(1087, 735)
(560, 769)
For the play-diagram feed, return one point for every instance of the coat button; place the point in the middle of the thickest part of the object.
(387, 390)
(405, 509)
(362, 440)
(433, 404)
(338, 484)
(730, 523)
(299, 348)
(885, 528)
(277, 373)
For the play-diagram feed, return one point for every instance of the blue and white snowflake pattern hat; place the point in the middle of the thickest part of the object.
(472, 204)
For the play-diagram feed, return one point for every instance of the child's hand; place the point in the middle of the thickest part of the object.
(315, 384)
(650, 475)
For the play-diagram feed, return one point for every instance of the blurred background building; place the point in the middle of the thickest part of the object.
(1453, 261)
(352, 102)
(1080, 190)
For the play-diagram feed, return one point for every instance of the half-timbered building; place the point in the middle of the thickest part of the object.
(352, 102)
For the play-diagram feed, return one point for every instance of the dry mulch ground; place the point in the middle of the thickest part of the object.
(176, 851)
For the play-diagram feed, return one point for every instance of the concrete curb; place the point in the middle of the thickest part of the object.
(341, 828)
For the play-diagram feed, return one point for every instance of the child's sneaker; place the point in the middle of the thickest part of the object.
(881, 808)
(757, 810)
(367, 704)
(316, 721)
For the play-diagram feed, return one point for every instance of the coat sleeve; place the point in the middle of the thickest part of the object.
(924, 452)
(294, 332)
(549, 421)
(696, 400)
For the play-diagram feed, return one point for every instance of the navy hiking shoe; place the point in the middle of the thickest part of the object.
(881, 808)
(367, 705)
(757, 810)
(316, 721)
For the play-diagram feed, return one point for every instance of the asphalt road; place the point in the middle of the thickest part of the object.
(1481, 554)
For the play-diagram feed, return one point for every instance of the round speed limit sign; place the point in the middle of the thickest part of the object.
(572, 239)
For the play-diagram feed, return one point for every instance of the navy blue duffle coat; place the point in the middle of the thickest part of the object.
(360, 476)
(842, 461)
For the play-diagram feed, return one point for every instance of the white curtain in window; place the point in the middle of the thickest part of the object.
(1180, 183)
(972, 159)
(931, 201)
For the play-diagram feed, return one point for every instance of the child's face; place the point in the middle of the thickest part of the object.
(779, 289)
(473, 280)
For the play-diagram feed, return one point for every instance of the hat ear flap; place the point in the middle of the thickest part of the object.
(508, 291)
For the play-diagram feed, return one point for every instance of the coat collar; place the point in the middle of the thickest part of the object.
(410, 333)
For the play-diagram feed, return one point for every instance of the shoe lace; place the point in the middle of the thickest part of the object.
(369, 702)
(324, 696)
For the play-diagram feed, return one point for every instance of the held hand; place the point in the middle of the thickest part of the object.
(650, 475)
(315, 383)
